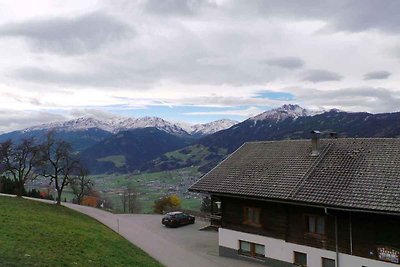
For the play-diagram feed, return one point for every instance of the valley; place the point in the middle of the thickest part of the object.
(150, 187)
(156, 158)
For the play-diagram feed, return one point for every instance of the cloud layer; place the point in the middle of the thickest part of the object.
(321, 76)
(377, 75)
(143, 56)
(76, 35)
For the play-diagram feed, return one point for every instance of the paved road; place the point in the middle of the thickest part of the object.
(176, 247)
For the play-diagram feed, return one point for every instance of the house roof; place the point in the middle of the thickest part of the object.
(350, 173)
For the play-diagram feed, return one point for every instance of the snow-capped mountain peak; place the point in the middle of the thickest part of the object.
(117, 124)
(284, 112)
(212, 127)
(82, 123)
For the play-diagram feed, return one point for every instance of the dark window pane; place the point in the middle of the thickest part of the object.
(251, 216)
(328, 262)
(321, 226)
(259, 250)
(311, 224)
(300, 258)
(245, 246)
(251, 249)
(256, 216)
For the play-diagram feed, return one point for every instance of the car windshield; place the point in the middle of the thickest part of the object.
(175, 215)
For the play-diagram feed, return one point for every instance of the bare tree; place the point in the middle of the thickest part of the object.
(20, 161)
(124, 197)
(81, 184)
(59, 163)
(133, 204)
(129, 200)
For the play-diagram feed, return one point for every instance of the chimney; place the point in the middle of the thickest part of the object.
(315, 142)
(333, 135)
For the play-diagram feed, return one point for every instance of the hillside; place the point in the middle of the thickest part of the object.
(39, 234)
(79, 139)
(127, 151)
(360, 124)
(286, 122)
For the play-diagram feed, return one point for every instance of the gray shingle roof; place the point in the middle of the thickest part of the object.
(351, 173)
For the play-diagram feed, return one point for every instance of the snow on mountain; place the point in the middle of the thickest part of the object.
(73, 125)
(212, 127)
(145, 122)
(117, 124)
(286, 111)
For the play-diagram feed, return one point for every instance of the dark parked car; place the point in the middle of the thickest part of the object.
(177, 218)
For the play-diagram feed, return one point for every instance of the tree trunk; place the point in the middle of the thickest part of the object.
(59, 197)
(20, 189)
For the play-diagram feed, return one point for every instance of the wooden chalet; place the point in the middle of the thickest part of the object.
(319, 203)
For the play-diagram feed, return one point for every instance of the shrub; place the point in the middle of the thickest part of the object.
(166, 204)
(33, 193)
(9, 186)
(89, 201)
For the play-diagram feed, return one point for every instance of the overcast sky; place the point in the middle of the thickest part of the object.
(193, 60)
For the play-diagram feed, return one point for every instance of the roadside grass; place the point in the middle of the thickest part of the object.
(40, 234)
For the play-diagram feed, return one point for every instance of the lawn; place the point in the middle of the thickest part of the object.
(39, 234)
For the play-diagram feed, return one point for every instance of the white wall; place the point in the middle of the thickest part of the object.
(281, 250)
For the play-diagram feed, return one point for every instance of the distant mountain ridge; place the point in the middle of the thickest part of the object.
(154, 144)
(118, 124)
(286, 122)
(284, 112)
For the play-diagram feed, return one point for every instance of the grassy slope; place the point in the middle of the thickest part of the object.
(38, 234)
(194, 155)
(117, 160)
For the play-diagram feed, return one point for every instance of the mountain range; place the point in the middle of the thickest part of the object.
(118, 124)
(85, 132)
(154, 144)
(286, 122)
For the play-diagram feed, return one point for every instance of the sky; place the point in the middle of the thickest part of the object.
(193, 60)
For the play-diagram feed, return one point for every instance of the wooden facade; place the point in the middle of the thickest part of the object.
(353, 233)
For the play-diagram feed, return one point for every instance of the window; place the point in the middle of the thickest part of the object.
(316, 225)
(328, 262)
(251, 216)
(300, 259)
(251, 249)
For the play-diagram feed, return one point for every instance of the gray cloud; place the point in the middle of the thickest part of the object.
(102, 77)
(78, 35)
(342, 15)
(286, 62)
(93, 113)
(317, 75)
(372, 99)
(13, 120)
(377, 75)
(176, 7)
